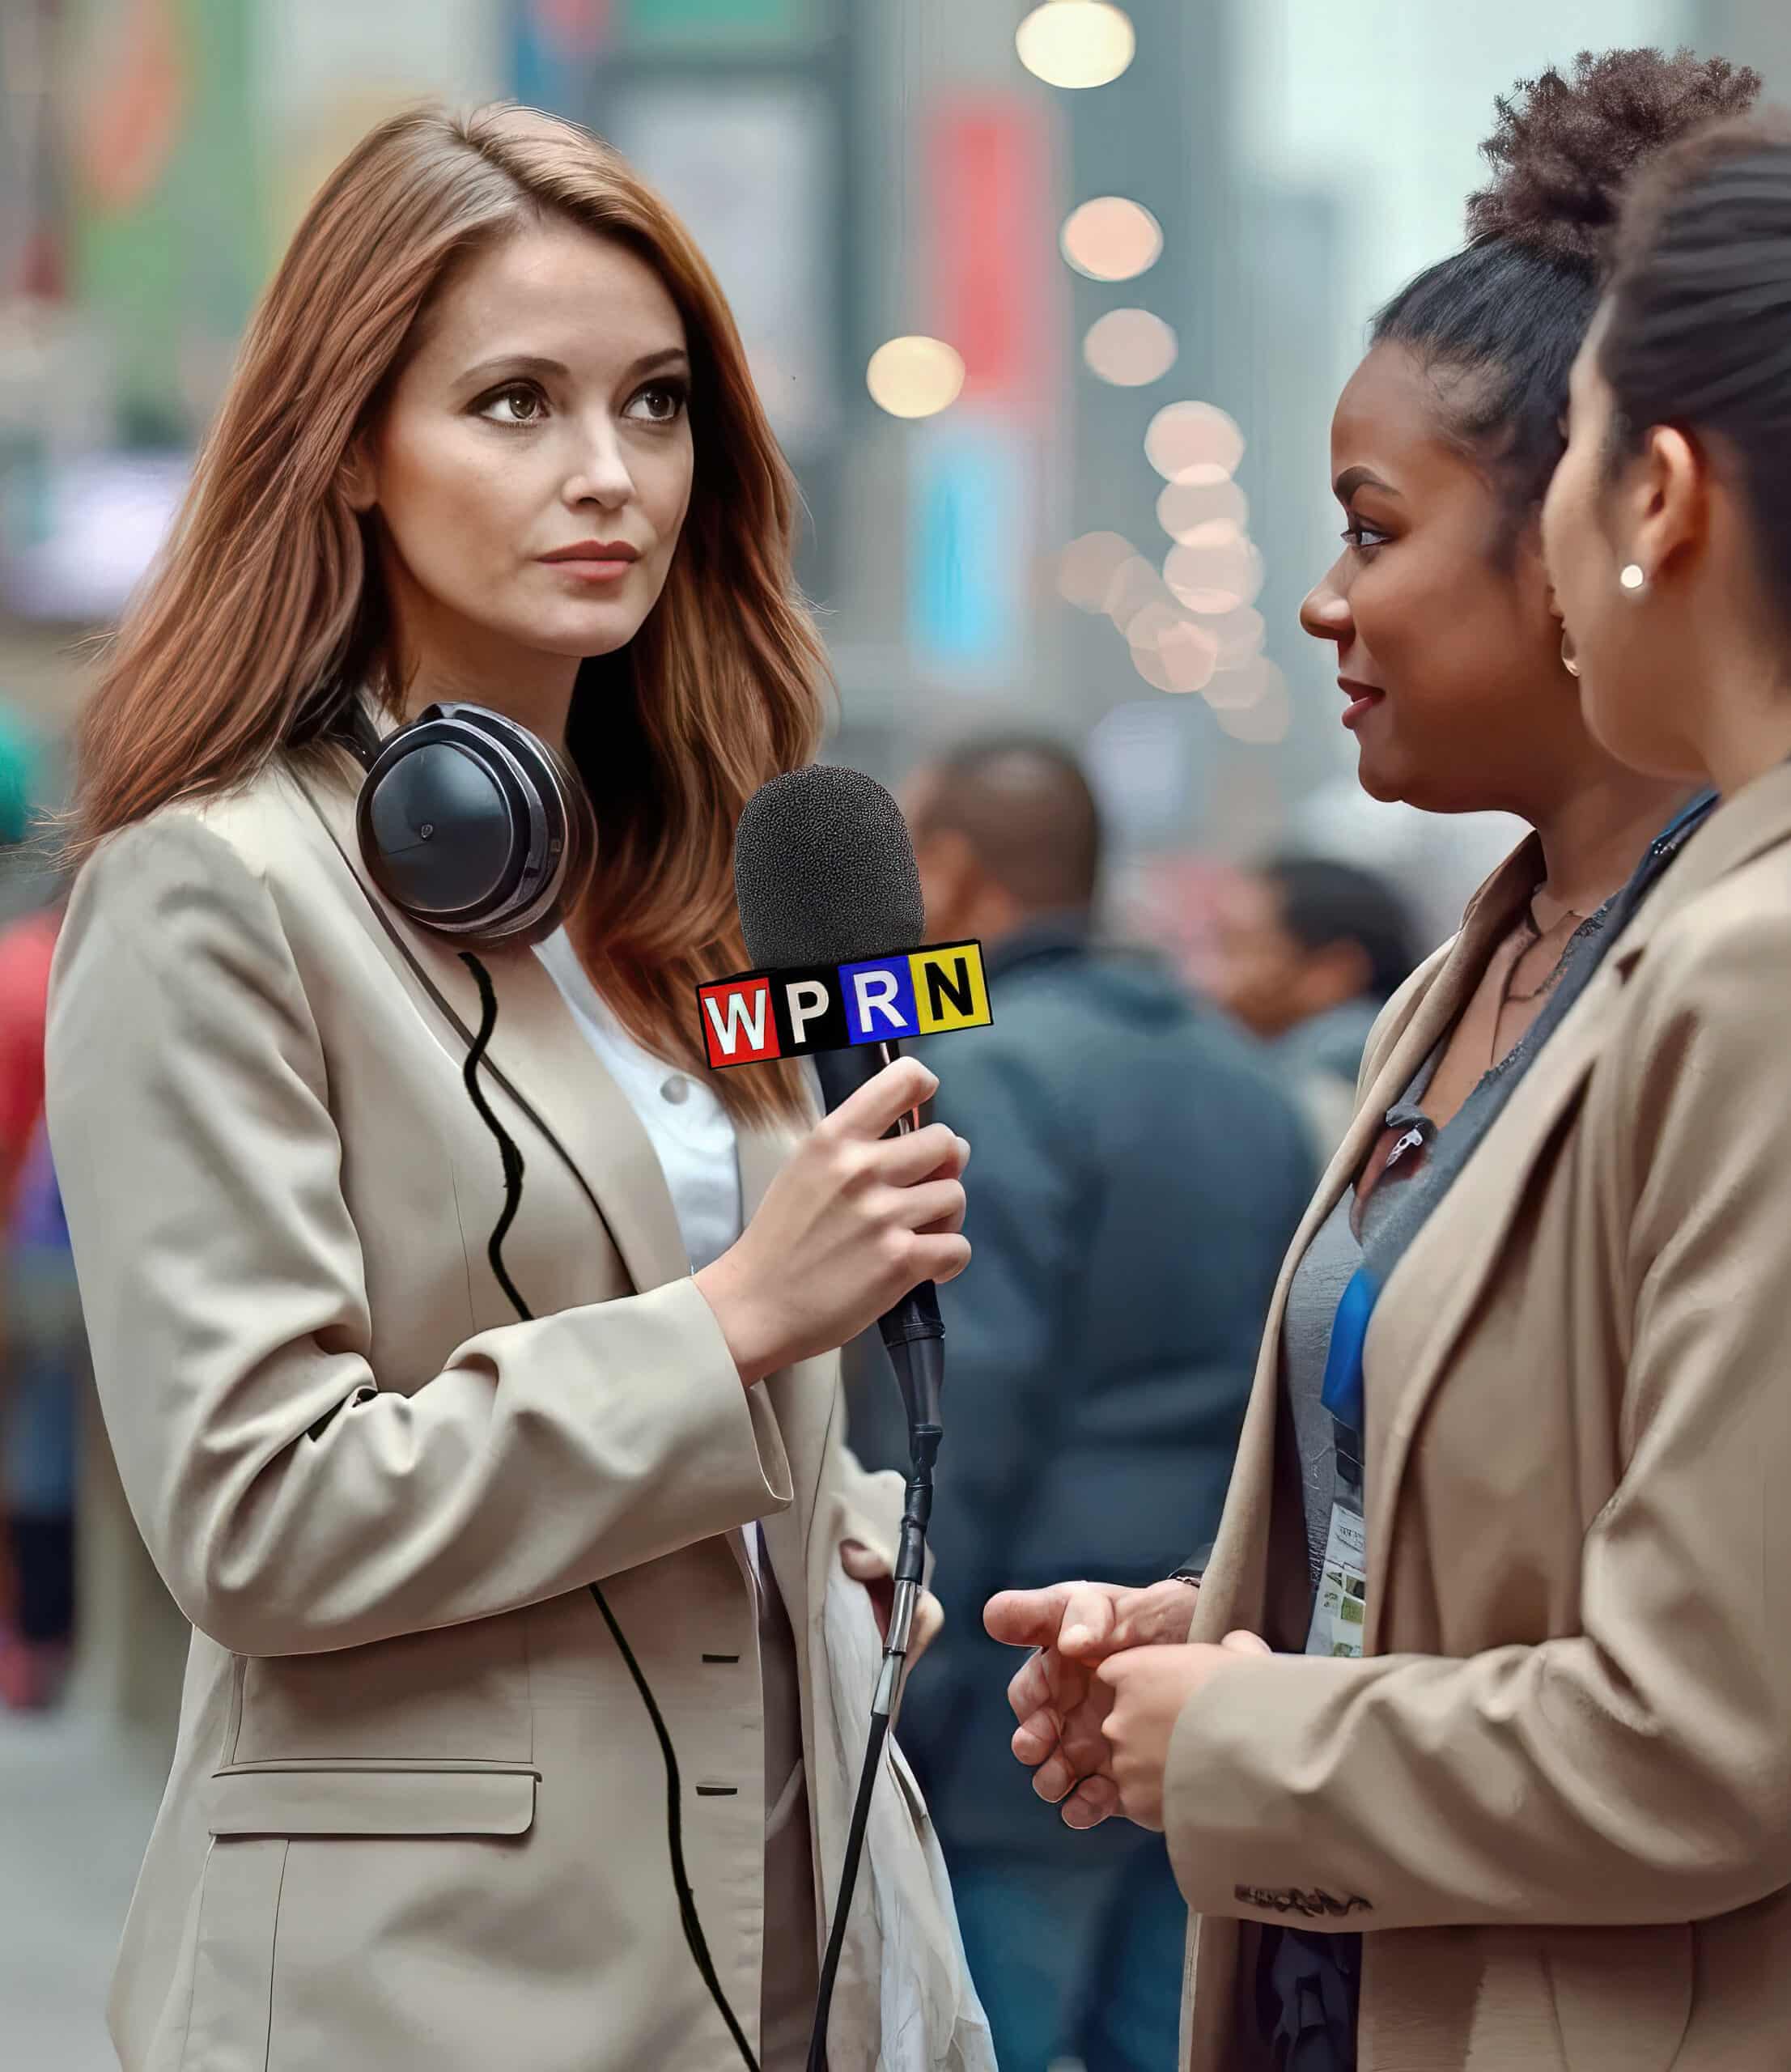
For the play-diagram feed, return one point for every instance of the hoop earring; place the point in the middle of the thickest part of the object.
(1568, 662)
(1634, 578)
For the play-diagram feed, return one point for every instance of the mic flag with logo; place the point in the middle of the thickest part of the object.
(792, 1012)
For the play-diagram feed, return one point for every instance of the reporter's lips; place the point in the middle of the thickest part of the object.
(593, 560)
(1363, 699)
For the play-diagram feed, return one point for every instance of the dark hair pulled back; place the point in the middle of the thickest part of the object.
(1501, 322)
(1700, 327)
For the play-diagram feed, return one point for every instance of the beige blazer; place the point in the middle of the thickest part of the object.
(417, 1819)
(1557, 1799)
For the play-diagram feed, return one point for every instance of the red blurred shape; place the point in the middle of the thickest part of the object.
(574, 28)
(990, 242)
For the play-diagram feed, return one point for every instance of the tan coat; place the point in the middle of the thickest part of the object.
(1560, 1791)
(417, 1819)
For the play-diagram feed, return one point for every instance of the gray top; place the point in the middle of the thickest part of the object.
(1316, 1289)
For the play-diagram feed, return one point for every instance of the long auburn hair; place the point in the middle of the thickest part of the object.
(266, 610)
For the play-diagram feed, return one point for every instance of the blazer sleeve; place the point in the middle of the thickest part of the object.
(1638, 1771)
(292, 1503)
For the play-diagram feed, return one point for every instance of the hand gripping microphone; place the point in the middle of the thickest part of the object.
(824, 870)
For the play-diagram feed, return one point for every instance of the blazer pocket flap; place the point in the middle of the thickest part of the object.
(331, 1799)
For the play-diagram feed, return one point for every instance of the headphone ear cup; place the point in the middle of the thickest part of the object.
(473, 826)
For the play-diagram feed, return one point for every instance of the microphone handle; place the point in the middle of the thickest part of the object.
(913, 1331)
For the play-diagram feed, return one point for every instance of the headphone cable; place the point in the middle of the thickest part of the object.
(674, 1792)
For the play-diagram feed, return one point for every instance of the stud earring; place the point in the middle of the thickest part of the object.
(1568, 662)
(1633, 577)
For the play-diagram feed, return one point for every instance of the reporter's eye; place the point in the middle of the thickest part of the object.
(522, 392)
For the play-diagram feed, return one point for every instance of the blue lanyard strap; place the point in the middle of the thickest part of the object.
(1342, 1393)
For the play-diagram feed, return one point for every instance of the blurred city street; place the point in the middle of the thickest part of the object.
(76, 1804)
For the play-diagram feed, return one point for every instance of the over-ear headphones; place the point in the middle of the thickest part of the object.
(470, 825)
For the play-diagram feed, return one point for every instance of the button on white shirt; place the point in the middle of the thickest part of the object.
(691, 1132)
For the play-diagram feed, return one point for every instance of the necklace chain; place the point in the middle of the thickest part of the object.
(1507, 998)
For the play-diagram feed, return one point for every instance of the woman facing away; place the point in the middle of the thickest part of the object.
(495, 1477)
(1403, 1836)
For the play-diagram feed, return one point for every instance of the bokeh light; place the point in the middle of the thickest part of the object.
(1184, 508)
(1264, 718)
(1111, 239)
(1194, 443)
(1075, 43)
(1087, 566)
(1135, 585)
(1217, 576)
(914, 377)
(1169, 650)
(1188, 656)
(1130, 347)
(1238, 636)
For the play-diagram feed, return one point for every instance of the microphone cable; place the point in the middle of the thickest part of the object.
(910, 1571)
(674, 1818)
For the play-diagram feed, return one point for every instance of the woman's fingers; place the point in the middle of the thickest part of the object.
(930, 1202)
(933, 1153)
(881, 1101)
(938, 1259)
(929, 1620)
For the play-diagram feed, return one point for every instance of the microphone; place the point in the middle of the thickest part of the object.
(824, 874)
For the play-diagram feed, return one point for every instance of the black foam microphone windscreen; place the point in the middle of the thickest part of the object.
(824, 871)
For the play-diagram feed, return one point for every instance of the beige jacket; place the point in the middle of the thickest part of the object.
(1557, 1797)
(417, 1819)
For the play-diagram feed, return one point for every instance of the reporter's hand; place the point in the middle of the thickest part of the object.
(848, 1225)
(865, 1565)
(1060, 1706)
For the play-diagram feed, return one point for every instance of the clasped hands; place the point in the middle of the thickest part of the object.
(1098, 1701)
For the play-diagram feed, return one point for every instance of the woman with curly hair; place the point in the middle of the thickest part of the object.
(1408, 1747)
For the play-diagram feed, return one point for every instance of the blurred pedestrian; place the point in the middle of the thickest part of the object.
(1137, 1176)
(40, 1420)
(1307, 952)
(39, 1403)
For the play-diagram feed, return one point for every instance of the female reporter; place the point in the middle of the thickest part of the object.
(1432, 1791)
(486, 1510)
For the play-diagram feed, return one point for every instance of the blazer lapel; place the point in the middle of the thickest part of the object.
(1240, 1568)
(1410, 1341)
(1749, 821)
(537, 1056)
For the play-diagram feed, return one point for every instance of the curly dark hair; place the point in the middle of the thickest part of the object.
(1564, 150)
(1510, 310)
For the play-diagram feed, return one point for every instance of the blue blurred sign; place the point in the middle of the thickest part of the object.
(968, 549)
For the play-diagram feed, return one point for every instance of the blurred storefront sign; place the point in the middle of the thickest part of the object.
(974, 494)
(725, 26)
(990, 246)
(970, 526)
(81, 534)
(168, 246)
(748, 166)
(555, 47)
